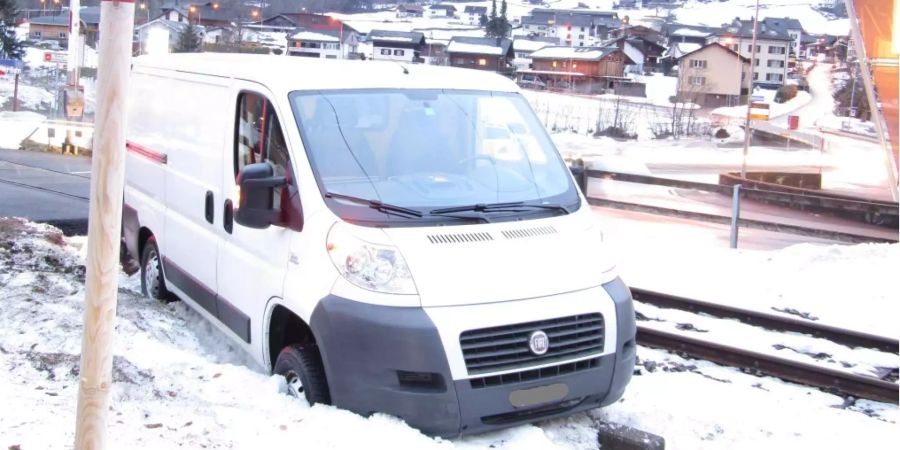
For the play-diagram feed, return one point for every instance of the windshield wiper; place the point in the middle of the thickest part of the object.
(377, 205)
(500, 207)
(480, 207)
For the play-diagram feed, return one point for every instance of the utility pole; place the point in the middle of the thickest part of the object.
(74, 41)
(104, 224)
(747, 130)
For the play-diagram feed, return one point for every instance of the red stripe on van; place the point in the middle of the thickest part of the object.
(161, 158)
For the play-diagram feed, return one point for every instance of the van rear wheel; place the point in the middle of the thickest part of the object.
(153, 285)
(301, 366)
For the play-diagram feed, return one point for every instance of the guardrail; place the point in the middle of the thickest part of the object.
(824, 202)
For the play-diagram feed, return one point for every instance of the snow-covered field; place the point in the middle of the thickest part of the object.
(180, 384)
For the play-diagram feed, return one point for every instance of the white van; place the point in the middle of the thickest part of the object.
(351, 225)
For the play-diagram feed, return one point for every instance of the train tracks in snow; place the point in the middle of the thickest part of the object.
(834, 380)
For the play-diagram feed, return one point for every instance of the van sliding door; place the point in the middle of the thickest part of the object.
(252, 262)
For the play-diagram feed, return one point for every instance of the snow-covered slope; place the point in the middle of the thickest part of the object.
(179, 384)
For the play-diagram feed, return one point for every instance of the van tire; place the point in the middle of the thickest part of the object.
(153, 284)
(301, 366)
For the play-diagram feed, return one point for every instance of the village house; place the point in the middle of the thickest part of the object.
(713, 75)
(410, 10)
(472, 14)
(208, 14)
(645, 54)
(523, 48)
(171, 28)
(50, 28)
(771, 66)
(585, 70)
(56, 28)
(397, 45)
(315, 44)
(435, 52)
(482, 53)
(639, 31)
(687, 34)
(573, 28)
(791, 27)
(442, 11)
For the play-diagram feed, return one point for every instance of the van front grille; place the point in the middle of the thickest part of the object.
(534, 374)
(506, 347)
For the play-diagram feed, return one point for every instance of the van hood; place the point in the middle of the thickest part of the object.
(485, 263)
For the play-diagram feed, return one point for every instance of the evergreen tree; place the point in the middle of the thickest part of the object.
(10, 46)
(498, 26)
(483, 20)
(189, 40)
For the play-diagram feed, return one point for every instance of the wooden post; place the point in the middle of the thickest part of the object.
(16, 94)
(104, 223)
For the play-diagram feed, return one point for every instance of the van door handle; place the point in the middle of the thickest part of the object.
(228, 216)
(209, 207)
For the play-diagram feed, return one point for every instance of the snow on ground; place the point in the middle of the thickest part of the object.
(582, 114)
(848, 124)
(697, 152)
(16, 126)
(775, 109)
(178, 383)
(30, 97)
(659, 87)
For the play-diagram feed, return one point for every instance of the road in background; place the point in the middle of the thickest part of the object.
(45, 187)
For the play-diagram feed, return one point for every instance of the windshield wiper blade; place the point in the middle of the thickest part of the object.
(376, 204)
(555, 206)
(479, 207)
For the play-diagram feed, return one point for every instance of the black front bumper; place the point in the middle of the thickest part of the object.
(391, 360)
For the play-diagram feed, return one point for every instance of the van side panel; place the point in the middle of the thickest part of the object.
(145, 182)
(193, 138)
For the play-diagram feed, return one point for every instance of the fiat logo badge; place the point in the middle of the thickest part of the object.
(538, 342)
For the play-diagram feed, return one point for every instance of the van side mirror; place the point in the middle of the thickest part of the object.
(255, 208)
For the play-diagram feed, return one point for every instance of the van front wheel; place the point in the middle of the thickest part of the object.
(153, 285)
(301, 367)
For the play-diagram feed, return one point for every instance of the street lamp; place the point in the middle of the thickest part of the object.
(143, 7)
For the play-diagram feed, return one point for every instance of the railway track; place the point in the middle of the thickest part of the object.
(832, 380)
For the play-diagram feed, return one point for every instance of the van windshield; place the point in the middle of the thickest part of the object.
(415, 155)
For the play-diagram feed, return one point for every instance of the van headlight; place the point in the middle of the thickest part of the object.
(376, 267)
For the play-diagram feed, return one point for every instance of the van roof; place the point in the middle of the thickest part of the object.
(283, 74)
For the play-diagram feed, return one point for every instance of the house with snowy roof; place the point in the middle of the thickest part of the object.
(315, 44)
(571, 27)
(586, 70)
(483, 53)
(792, 27)
(523, 48)
(410, 10)
(441, 11)
(397, 45)
(472, 14)
(639, 31)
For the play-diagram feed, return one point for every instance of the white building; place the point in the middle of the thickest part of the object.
(772, 50)
(523, 49)
(442, 11)
(314, 44)
(472, 14)
(397, 45)
(573, 28)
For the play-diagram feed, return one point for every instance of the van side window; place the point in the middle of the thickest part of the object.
(259, 139)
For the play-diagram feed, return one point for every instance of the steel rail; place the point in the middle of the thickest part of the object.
(850, 338)
(831, 380)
